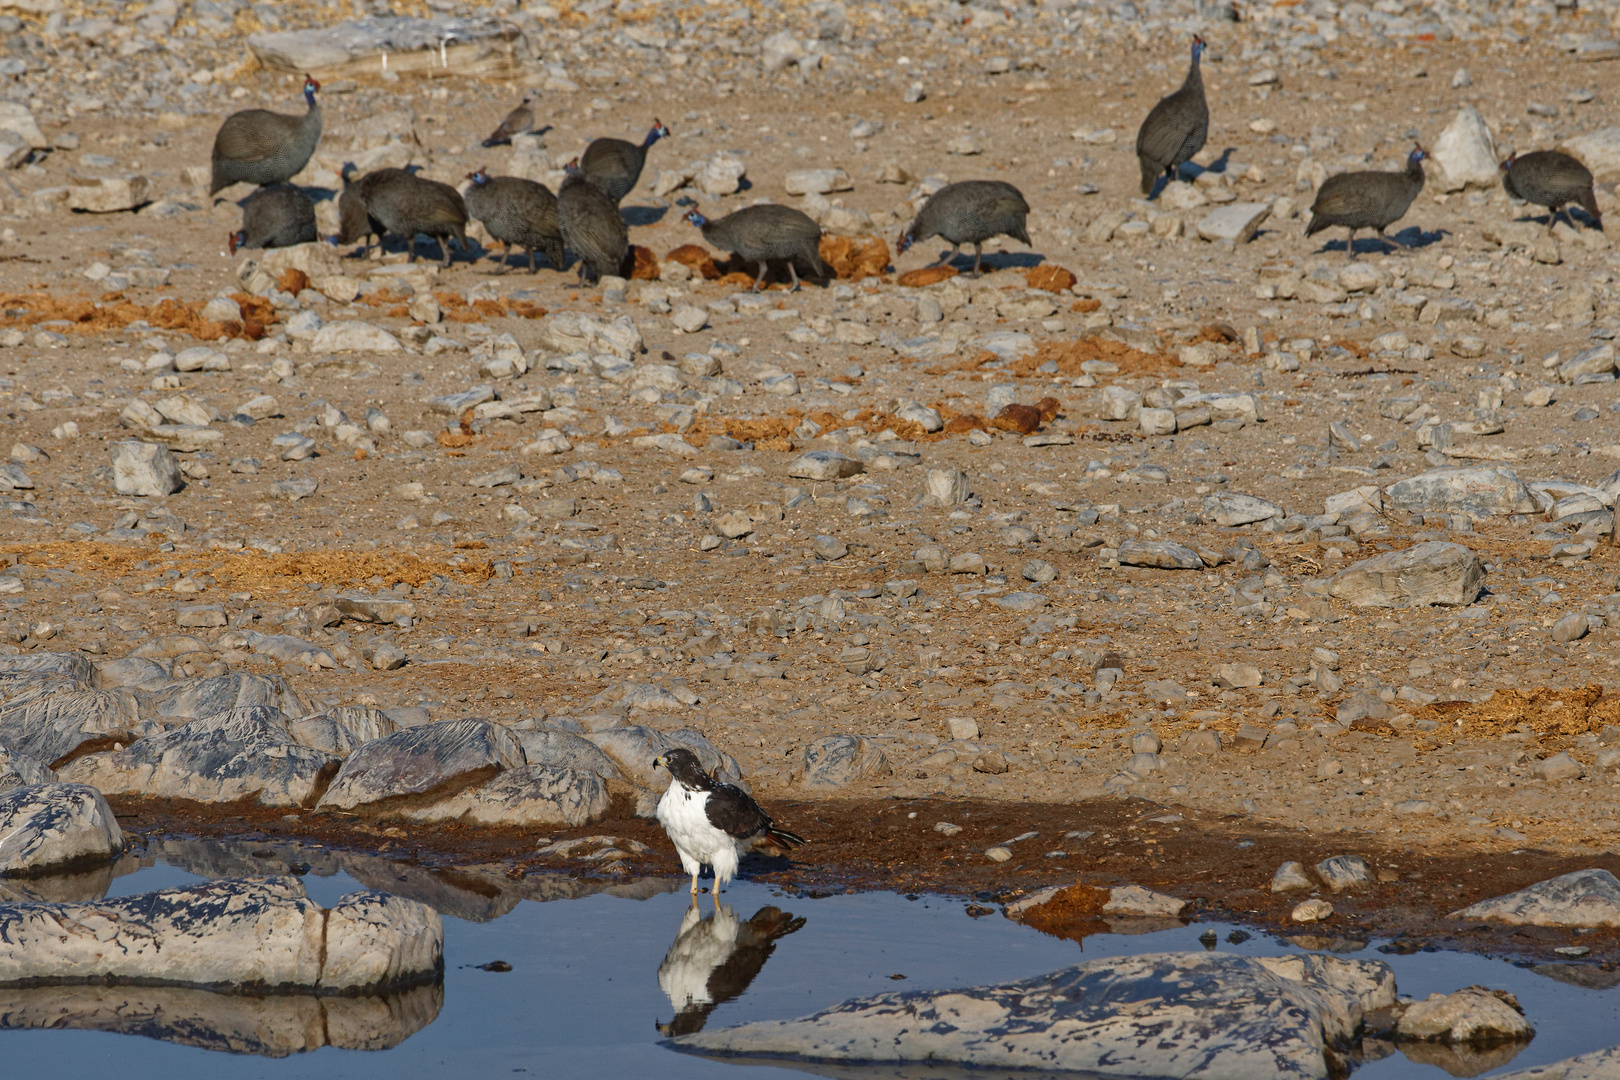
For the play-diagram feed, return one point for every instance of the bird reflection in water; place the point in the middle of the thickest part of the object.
(714, 959)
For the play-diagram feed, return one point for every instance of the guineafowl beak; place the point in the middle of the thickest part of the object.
(905, 243)
(234, 241)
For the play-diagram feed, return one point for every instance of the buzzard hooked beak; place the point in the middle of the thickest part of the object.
(657, 761)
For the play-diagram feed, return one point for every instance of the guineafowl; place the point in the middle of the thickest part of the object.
(1367, 200)
(273, 217)
(1175, 129)
(517, 211)
(257, 146)
(1551, 179)
(970, 212)
(354, 220)
(405, 205)
(765, 234)
(517, 122)
(591, 225)
(614, 165)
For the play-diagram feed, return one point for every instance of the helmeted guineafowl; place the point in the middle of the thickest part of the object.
(517, 122)
(516, 211)
(354, 220)
(614, 165)
(1176, 127)
(765, 234)
(591, 225)
(1367, 200)
(257, 146)
(1551, 179)
(273, 217)
(970, 212)
(405, 205)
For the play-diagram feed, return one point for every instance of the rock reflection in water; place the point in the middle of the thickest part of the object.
(1464, 1059)
(713, 960)
(274, 1025)
(84, 887)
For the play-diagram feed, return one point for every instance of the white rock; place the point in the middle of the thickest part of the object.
(1599, 151)
(1435, 572)
(354, 336)
(1239, 509)
(824, 465)
(1584, 898)
(1473, 1015)
(52, 825)
(1234, 223)
(947, 487)
(143, 468)
(721, 175)
(17, 120)
(689, 318)
(779, 50)
(817, 181)
(1478, 490)
(1465, 154)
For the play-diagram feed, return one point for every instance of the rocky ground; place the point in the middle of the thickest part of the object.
(806, 525)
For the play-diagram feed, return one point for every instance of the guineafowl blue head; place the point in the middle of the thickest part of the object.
(659, 131)
(310, 86)
(1507, 163)
(905, 243)
(572, 168)
(235, 240)
(1417, 154)
(1198, 47)
(479, 177)
(696, 218)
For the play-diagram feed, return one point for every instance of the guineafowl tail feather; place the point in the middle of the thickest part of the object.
(1589, 204)
(1316, 225)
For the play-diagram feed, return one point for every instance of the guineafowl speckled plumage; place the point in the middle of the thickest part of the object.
(1554, 180)
(765, 234)
(970, 212)
(591, 226)
(257, 146)
(614, 165)
(273, 217)
(354, 220)
(517, 122)
(1367, 200)
(1176, 127)
(395, 201)
(516, 211)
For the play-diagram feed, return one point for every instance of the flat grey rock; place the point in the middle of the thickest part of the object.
(56, 724)
(376, 609)
(1021, 601)
(194, 698)
(17, 769)
(1162, 1014)
(1159, 554)
(264, 933)
(1235, 222)
(286, 649)
(1239, 509)
(324, 48)
(1584, 898)
(531, 795)
(1435, 572)
(839, 760)
(1598, 1065)
(238, 754)
(824, 465)
(68, 665)
(1477, 490)
(433, 760)
(458, 403)
(565, 750)
(46, 826)
(132, 671)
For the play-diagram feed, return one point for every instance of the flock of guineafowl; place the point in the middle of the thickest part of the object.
(268, 149)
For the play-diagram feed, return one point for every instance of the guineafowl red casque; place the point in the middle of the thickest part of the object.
(591, 226)
(970, 212)
(765, 234)
(272, 217)
(1552, 179)
(1176, 127)
(257, 146)
(614, 165)
(516, 211)
(1367, 200)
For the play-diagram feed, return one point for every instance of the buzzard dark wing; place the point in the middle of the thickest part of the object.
(733, 812)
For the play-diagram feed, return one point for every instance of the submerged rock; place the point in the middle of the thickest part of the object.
(263, 933)
(55, 825)
(1160, 1014)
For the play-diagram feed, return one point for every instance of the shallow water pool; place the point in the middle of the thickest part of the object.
(597, 980)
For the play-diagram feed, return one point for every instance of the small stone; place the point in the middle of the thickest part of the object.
(991, 763)
(201, 615)
(110, 195)
(1559, 766)
(1473, 1015)
(817, 181)
(1344, 872)
(689, 319)
(824, 465)
(828, 548)
(1571, 627)
(1240, 676)
(506, 474)
(962, 727)
(1434, 572)
(1313, 910)
(947, 487)
(733, 524)
(142, 468)
(1038, 571)
(1234, 223)
(387, 656)
(1021, 601)
(1160, 554)
(998, 854)
(1290, 877)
